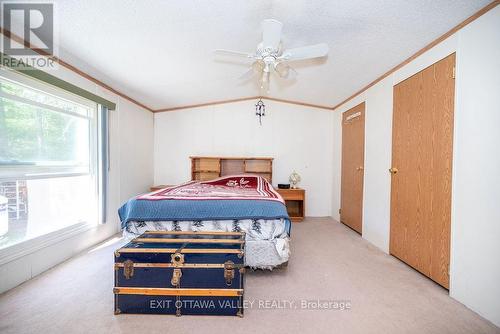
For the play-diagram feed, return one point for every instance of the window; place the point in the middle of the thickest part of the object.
(50, 159)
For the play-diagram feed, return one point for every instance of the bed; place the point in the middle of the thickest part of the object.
(244, 202)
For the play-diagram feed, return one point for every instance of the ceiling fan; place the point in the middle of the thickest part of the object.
(270, 55)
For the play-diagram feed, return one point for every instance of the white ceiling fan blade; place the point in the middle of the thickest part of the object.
(256, 67)
(271, 34)
(305, 52)
(233, 53)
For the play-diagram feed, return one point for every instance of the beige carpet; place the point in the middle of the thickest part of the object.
(329, 262)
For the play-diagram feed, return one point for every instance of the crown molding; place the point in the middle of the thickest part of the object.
(206, 104)
(438, 40)
(70, 67)
(212, 103)
(305, 104)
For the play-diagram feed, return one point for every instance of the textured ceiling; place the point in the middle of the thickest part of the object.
(160, 52)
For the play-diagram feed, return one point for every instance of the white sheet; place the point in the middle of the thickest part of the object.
(267, 243)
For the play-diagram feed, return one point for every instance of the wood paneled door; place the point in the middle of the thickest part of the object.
(422, 150)
(353, 157)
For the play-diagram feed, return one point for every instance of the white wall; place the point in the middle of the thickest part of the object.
(378, 142)
(298, 138)
(131, 172)
(475, 239)
(337, 164)
(475, 257)
(136, 151)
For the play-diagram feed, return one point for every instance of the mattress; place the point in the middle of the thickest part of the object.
(246, 203)
(267, 240)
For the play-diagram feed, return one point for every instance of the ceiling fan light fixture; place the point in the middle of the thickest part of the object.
(265, 82)
(270, 55)
(284, 71)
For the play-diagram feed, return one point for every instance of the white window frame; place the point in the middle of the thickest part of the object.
(12, 172)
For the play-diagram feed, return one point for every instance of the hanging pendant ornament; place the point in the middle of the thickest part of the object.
(260, 110)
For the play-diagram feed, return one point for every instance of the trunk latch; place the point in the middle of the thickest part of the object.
(177, 261)
(229, 272)
(128, 269)
(176, 277)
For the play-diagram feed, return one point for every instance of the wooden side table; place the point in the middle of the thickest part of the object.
(295, 201)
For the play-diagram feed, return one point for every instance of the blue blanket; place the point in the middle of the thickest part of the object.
(191, 210)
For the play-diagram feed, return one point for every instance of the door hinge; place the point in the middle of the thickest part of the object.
(453, 73)
(340, 211)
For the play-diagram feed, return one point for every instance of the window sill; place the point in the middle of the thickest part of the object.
(27, 247)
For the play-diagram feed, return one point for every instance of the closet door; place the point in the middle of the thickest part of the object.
(422, 145)
(353, 157)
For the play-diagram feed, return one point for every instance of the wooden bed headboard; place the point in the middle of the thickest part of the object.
(209, 168)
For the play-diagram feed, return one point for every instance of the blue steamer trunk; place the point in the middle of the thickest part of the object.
(166, 272)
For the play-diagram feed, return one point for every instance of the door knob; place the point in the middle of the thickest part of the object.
(393, 170)
(359, 168)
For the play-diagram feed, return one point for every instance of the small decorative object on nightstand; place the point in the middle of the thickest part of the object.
(295, 201)
(294, 179)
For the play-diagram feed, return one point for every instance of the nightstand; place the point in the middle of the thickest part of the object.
(158, 187)
(295, 201)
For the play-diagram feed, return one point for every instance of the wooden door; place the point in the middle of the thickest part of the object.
(353, 157)
(422, 143)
